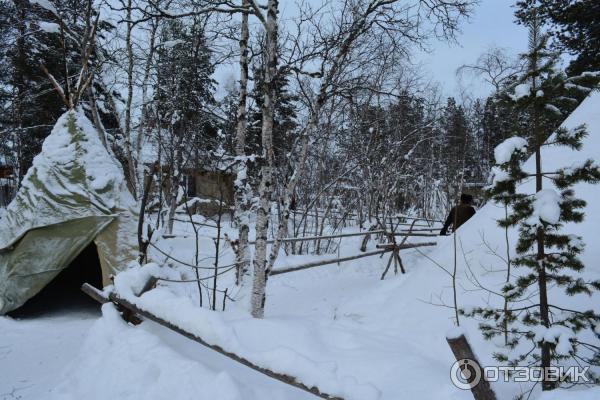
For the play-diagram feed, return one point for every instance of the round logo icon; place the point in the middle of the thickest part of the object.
(465, 374)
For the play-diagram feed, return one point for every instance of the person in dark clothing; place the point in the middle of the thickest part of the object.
(459, 214)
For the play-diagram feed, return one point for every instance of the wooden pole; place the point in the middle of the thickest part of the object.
(309, 238)
(387, 267)
(410, 224)
(132, 309)
(419, 230)
(341, 235)
(94, 293)
(127, 314)
(393, 216)
(288, 379)
(384, 249)
(409, 234)
(399, 260)
(392, 246)
(195, 223)
(326, 262)
(481, 388)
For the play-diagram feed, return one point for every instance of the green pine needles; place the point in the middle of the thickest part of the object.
(537, 330)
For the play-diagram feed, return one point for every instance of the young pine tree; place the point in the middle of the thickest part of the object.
(546, 255)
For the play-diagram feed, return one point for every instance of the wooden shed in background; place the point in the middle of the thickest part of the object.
(210, 187)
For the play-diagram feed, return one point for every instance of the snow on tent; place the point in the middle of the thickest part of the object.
(73, 194)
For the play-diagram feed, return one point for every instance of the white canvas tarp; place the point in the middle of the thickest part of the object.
(73, 194)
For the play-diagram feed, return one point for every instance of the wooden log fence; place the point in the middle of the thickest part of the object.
(195, 223)
(350, 214)
(287, 379)
(405, 233)
(132, 313)
(323, 237)
(391, 246)
(412, 234)
(319, 263)
(342, 235)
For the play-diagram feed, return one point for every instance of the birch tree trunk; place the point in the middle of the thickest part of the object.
(139, 169)
(131, 174)
(261, 268)
(176, 175)
(336, 54)
(328, 80)
(242, 190)
(266, 185)
(347, 40)
(96, 117)
(289, 191)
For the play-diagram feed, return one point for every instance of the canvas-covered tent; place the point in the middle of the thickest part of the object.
(73, 194)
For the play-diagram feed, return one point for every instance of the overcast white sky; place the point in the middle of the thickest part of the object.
(492, 24)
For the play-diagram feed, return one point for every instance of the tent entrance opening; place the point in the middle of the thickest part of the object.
(64, 292)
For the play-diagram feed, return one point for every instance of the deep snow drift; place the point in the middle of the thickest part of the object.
(339, 327)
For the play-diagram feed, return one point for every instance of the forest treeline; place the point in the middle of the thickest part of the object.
(386, 139)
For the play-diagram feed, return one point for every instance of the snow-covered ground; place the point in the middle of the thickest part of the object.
(339, 327)
(34, 350)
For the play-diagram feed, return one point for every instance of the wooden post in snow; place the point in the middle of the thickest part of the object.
(467, 362)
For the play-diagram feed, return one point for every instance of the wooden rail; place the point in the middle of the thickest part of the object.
(385, 248)
(410, 234)
(314, 264)
(341, 235)
(308, 238)
(287, 379)
(94, 293)
(350, 214)
(404, 246)
(195, 223)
